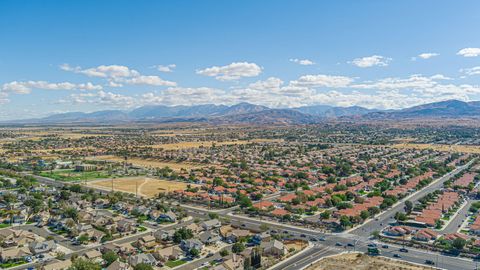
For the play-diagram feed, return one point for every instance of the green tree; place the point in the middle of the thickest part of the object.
(364, 214)
(345, 222)
(325, 214)
(109, 257)
(83, 238)
(194, 252)
(182, 234)
(212, 215)
(459, 243)
(238, 247)
(224, 252)
(83, 264)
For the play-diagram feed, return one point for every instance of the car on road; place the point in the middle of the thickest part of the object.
(303, 235)
(384, 246)
(429, 262)
(396, 255)
(338, 244)
(286, 232)
(313, 239)
(273, 232)
(350, 244)
(372, 245)
(403, 250)
(321, 238)
(244, 225)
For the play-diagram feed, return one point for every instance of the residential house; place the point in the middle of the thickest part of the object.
(42, 247)
(209, 237)
(187, 245)
(144, 258)
(274, 248)
(57, 265)
(118, 265)
(211, 224)
(168, 253)
(14, 254)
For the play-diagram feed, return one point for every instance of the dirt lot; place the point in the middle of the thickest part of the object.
(440, 147)
(147, 187)
(295, 244)
(358, 261)
(150, 163)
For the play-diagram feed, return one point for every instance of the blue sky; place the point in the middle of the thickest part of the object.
(59, 56)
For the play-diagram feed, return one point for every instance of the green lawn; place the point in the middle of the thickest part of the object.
(11, 264)
(4, 225)
(173, 264)
(72, 175)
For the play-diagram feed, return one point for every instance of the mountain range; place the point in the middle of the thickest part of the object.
(257, 114)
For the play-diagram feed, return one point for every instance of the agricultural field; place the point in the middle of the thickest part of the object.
(72, 175)
(146, 187)
(358, 261)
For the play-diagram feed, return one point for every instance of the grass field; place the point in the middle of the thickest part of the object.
(147, 187)
(72, 175)
(176, 263)
(150, 163)
(440, 147)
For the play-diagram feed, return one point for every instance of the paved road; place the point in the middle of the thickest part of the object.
(454, 225)
(387, 216)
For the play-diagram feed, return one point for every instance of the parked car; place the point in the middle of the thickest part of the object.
(403, 250)
(429, 262)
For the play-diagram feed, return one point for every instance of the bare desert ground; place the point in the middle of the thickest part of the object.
(358, 261)
(147, 187)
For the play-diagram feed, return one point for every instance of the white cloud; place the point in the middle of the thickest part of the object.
(303, 62)
(102, 98)
(233, 71)
(148, 80)
(322, 81)
(26, 87)
(116, 75)
(103, 71)
(471, 71)
(370, 61)
(427, 55)
(167, 68)
(271, 83)
(4, 98)
(469, 52)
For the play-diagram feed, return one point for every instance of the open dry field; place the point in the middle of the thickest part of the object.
(185, 145)
(149, 163)
(147, 187)
(440, 147)
(358, 261)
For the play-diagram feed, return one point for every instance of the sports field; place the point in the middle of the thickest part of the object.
(145, 186)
